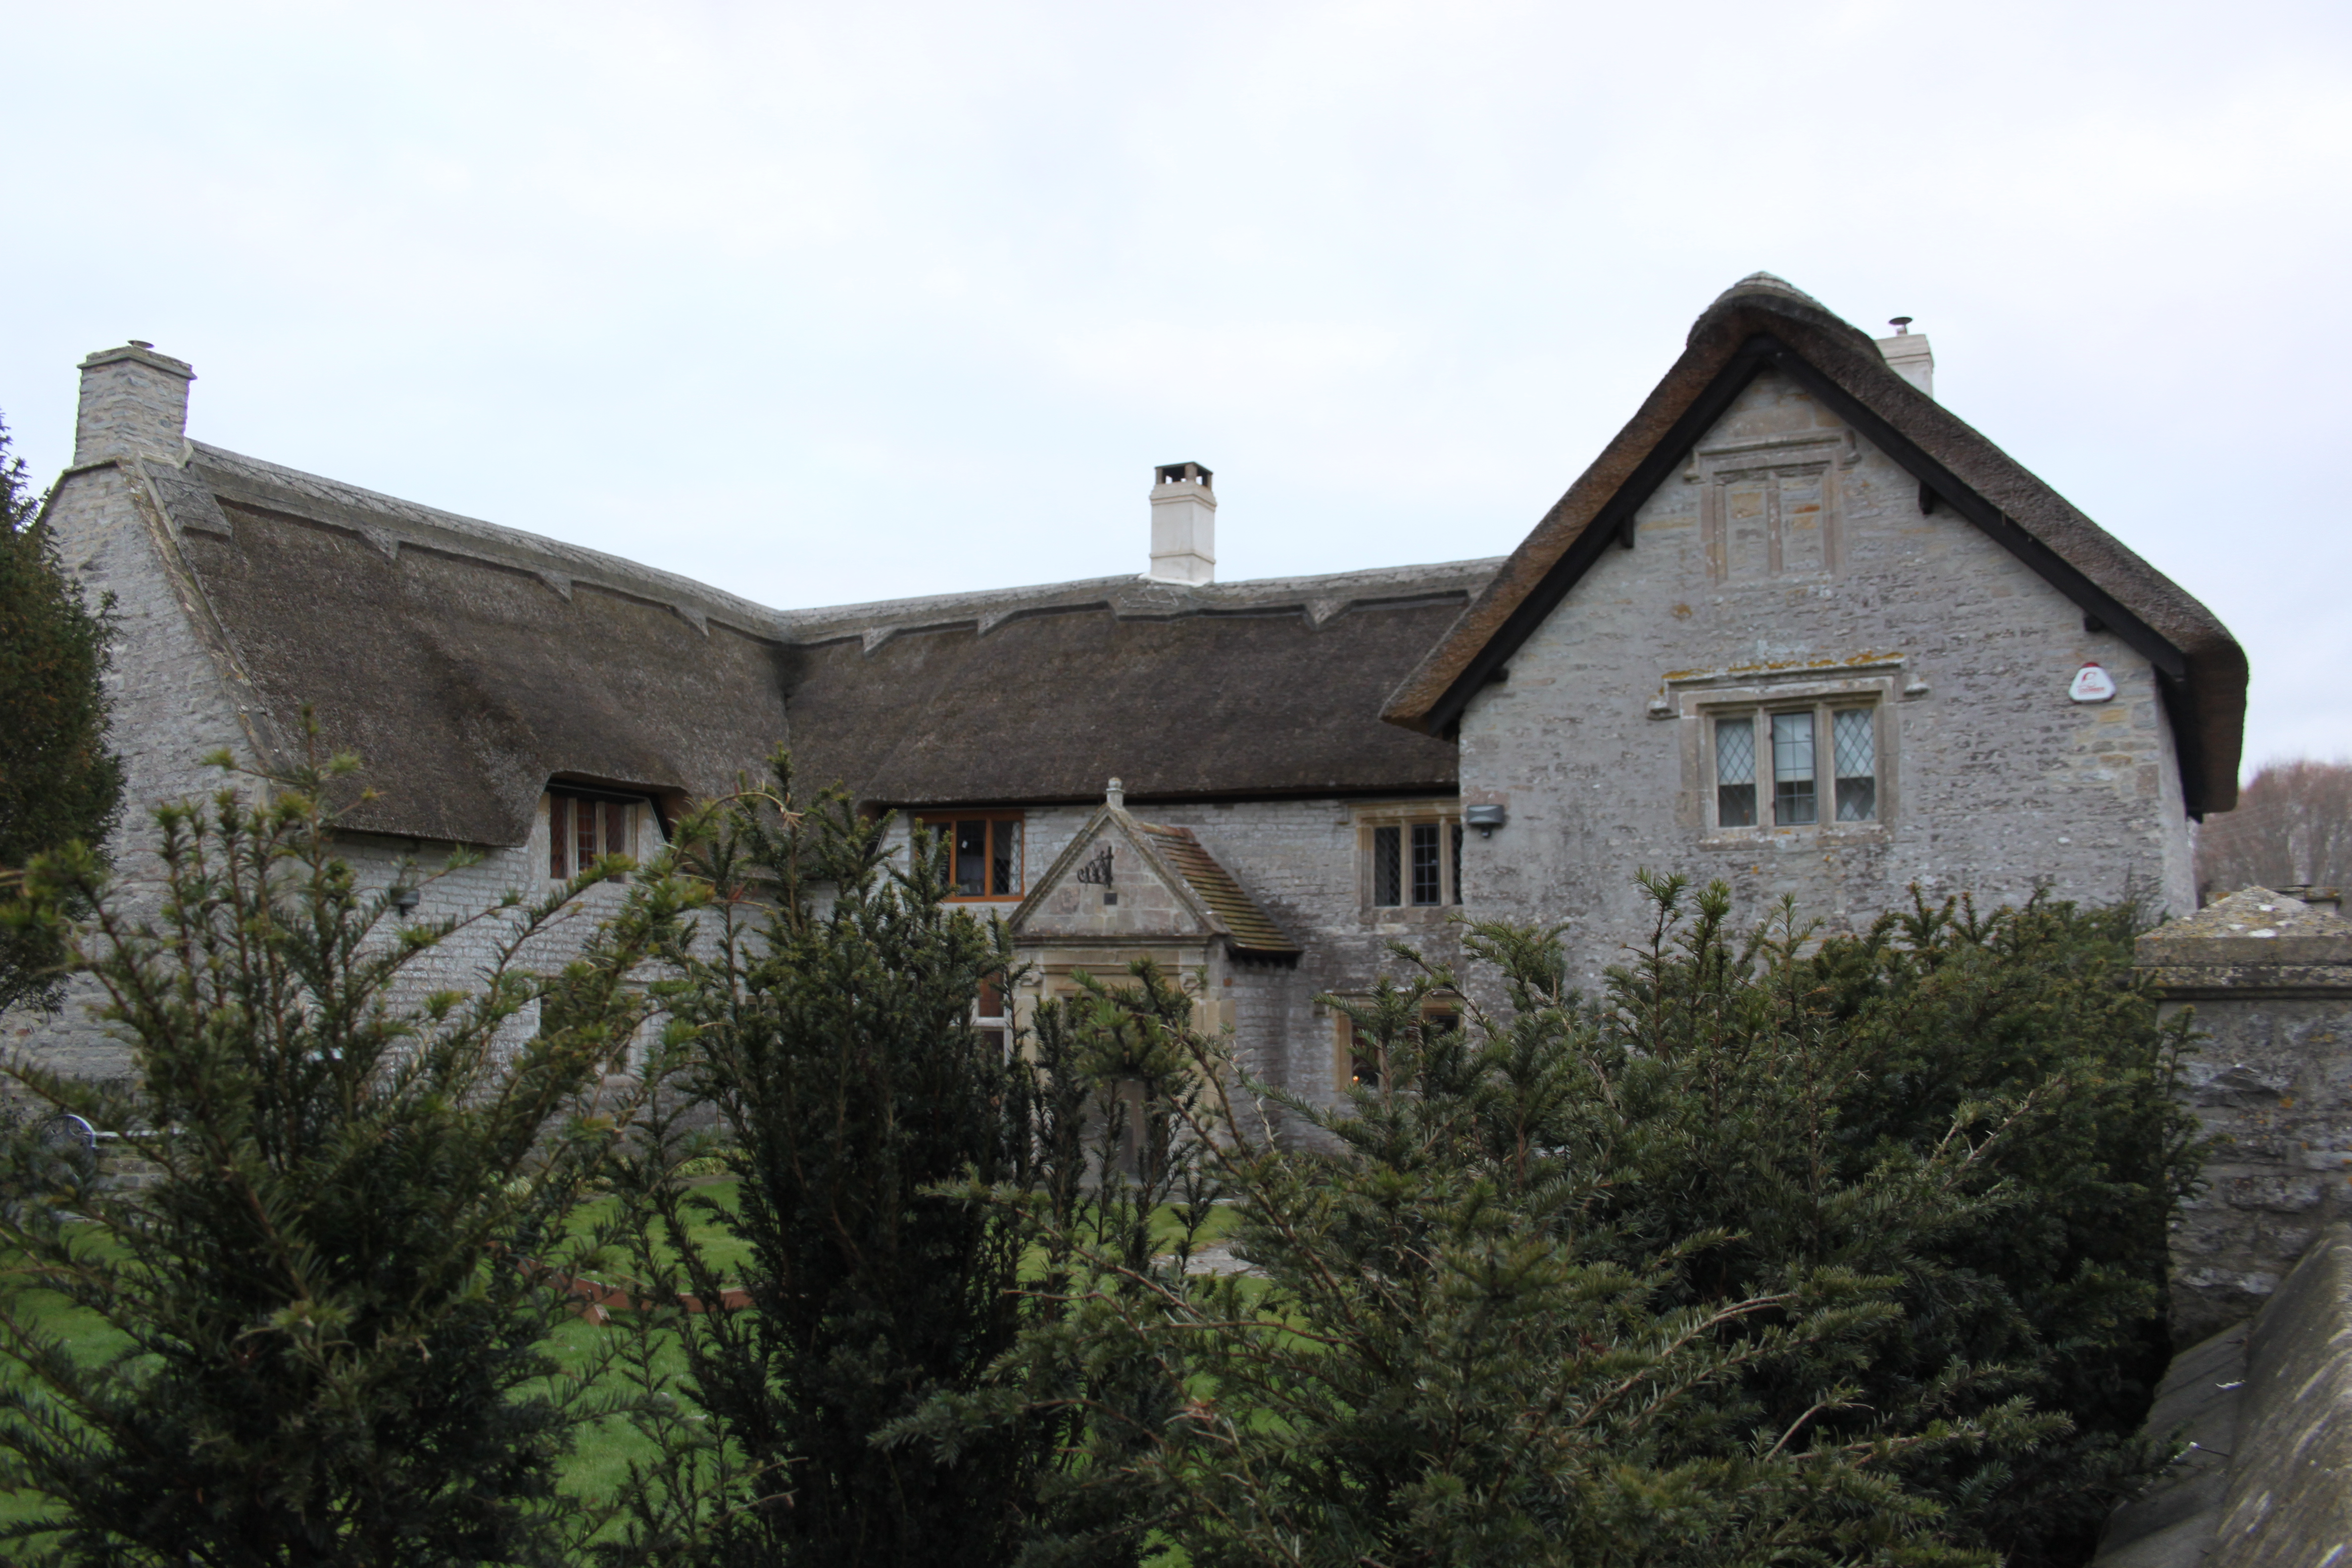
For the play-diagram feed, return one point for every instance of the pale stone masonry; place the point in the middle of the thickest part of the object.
(1790, 533)
(1789, 565)
(2270, 980)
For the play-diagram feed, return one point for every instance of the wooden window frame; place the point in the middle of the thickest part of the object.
(617, 825)
(937, 822)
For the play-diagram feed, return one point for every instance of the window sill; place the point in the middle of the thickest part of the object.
(1795, 837)
(1416, 914)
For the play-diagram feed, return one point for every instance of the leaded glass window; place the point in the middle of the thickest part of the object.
(1857, 764)
(1411, 861)
(1735, 772)
(1427, 887)
(1794, 801)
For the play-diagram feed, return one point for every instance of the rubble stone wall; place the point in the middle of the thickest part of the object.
(1790, 560)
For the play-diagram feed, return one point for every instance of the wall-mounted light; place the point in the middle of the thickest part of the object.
(1485, 818)
(405, 899)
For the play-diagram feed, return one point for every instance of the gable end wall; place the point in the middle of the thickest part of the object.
(1786, 549)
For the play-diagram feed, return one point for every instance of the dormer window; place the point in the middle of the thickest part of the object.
(583, 825)
(984, 850)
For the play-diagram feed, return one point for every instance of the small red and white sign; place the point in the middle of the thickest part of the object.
(2092, 684)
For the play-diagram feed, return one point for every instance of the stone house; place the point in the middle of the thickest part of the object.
(1797, 626)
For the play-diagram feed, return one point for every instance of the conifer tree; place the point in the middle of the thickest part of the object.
(823, 1031)
(58, 783)
(1780, 1251)
(332, 1303)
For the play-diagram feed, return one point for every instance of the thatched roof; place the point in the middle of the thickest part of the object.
(468, 664)
(1268, 687)
(1763, 324)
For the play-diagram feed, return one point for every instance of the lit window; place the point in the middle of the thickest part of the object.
(1358, 1057)
(1803, 771)
(582, 827)
(984, 853)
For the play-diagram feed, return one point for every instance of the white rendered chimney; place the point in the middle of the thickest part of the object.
(132, 399)
(1908, 356)
(1183, 525)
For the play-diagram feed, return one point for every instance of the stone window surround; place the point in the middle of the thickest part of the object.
(1444, 810)
(1821, 454)
(1698, 700)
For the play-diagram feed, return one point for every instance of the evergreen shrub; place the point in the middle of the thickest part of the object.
(333, 1299)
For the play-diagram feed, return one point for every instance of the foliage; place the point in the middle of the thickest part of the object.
(1785, 1252)
(823, 1023)
(58, 783)
(335, 1295)
(2292, 827)
(1119, 1063)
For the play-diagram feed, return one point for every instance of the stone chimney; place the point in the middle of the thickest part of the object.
(1908, 356)
(132, 399)
(1183, 525)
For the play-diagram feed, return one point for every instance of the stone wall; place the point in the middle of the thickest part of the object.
(2265, 1408)
(171, 708)
(2270, 979)
(176, 701)
(1298, 860)
(1789, 558)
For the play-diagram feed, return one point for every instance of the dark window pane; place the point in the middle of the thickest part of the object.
(1735, 750)
(1388, 880)
(1436, 1024)
(1424, 863)
(559, 836)
(1004, 856)
(1734, 772)
(1363, 1056)
(992, 1000)
(1457, 862)
(971, 859)
(616, 828)
(583, 826)
(1857, 799)
(1793, 800)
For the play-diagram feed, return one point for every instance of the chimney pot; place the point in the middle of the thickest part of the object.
(134, 400)
(1908, 355)
(1183, 525)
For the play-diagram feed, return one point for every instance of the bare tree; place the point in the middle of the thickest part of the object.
(2292, 828)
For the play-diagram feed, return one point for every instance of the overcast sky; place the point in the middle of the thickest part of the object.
(835, 303)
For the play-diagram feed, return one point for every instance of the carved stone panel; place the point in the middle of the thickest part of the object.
(1770, 508)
